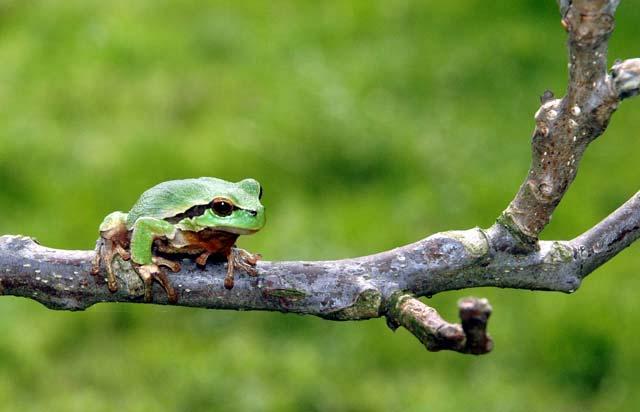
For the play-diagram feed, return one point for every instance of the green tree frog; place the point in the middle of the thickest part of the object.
(202, 217)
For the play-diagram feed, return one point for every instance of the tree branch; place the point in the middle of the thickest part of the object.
(507, 255)
(565, 127)
(436, 333)
(610, 236)
(349, 289)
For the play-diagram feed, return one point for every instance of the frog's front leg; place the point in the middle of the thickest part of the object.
(145, 231)
(240, 258)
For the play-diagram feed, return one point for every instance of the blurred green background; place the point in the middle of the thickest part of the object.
(371, 124)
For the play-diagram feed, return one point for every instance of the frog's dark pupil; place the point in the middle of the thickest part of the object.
(222, 207)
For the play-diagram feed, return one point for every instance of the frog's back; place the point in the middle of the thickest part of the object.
(173, 197)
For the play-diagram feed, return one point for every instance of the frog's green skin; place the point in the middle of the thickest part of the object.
(178, 216)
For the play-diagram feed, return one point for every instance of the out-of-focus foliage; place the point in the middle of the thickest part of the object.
(370, 124)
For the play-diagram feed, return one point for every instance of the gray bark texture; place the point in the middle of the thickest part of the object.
(507, 255)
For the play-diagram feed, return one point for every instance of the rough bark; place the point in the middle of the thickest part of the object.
(507, 255)
(566, 126)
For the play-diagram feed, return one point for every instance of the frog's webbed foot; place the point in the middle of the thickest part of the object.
(106, 250)
(240, 258)
(151, 272)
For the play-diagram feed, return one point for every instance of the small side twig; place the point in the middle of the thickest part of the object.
(437, 334)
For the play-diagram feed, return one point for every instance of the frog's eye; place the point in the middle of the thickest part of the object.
(222, 207)
(260, 194)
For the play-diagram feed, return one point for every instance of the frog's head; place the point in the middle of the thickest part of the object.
(236, 208)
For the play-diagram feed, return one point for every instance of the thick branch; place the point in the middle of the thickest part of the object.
(613, 234)
(565, 127)
(349, 289)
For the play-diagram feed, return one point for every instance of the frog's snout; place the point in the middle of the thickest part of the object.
(252, 212)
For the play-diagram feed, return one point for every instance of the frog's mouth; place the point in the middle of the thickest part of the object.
(235, 230)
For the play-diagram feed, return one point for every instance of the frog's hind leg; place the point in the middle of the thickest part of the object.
(116, 249)
(109, 250)
(145, 231)
(113, 239)
(240, 258)
(108, 253)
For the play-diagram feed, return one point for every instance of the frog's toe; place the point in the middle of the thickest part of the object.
(146, 274)
(246, 260)
(152, 272)
(202, 259)
(163, 280)
(240, 259)
(95, 262)
(173, 266)
(248, 268)
(229, 282)
(112, 283)
(95, 267)
(105, 252)
(124, 253)
(252, 258)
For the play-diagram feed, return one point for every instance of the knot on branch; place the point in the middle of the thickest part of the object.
(545, 190)
(546, 115)
(366, 305)
(626, 78)
(437, 334)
